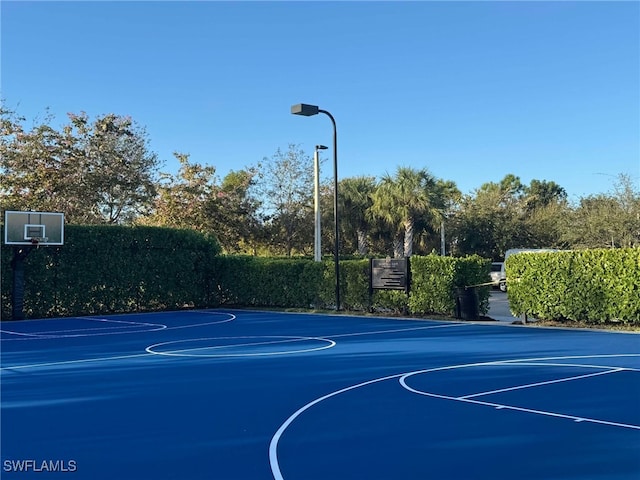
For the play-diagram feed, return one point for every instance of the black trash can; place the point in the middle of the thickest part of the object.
(467, 303)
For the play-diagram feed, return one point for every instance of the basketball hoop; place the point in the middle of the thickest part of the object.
(44, 229)
(35, 241)
(27, 231)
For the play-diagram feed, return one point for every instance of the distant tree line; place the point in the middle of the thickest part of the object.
(101, 171)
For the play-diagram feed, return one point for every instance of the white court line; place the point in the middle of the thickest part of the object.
(231, 318)
(11, 332)
(538, 384)
(573, 357)
(232, 345)
(578, 365)
(111, 320)
(397, 330)
(53, 334)
(94, 319)
(106, 320)
(56, 333)
(101, 359)
(94, 332)
(273, 445)
(275, 440)
(467, 398)
(71, 362)
(178, 353)
(500, 406)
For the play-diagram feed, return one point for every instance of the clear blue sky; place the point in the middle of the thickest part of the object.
(470, 90)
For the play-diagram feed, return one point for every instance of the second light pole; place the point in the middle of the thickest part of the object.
(307, 111)
(317, 231)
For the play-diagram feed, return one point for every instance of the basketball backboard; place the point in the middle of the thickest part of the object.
(33, 228)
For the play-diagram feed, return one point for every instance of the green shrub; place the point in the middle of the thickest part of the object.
(108, 269)
(435, 278)
(593, 286)
(354, 285)
(266, 282)
(433, 283)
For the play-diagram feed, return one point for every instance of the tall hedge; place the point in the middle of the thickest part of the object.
(593, 286)
(108, 269)
(435, 278)
(266, 282)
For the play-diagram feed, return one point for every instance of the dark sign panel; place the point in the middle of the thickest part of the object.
(389, 274)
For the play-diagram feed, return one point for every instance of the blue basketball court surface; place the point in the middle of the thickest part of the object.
(230, 394)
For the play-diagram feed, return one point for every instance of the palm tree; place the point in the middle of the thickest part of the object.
(355, 198)
(402, 199)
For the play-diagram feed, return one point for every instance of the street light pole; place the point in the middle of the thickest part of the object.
(307, 111)
(317, 237)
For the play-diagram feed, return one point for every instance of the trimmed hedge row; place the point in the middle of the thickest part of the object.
(354, 290)
(114, 269)
(594, 286)
(256, 281)
(435, 278)
(109, 269)
(266, 282)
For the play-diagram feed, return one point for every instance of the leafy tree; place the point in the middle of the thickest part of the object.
(237, 222)
(476, 223)
(606, 220)
(540, 194)
(545, 225)
(193, 199)
(328, 221)
(38, 168)
(506, 194)
(355, 200)
(403, 199)
(509, 214)
(182, 200)
(285, 186)
(121, 172)
(94, 172)
(429, 232)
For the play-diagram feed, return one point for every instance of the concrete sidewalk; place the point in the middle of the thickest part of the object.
(499, 308)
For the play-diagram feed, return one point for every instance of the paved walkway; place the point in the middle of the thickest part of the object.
(499, 307)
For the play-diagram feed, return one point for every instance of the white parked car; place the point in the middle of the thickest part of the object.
(498, 276)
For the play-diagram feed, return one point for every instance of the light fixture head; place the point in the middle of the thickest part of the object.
(304, 109)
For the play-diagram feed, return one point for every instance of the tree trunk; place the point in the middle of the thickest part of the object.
(408, 237)
(397, 245)
(363, 244)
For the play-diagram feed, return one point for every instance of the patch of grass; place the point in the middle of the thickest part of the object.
(613, 326)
